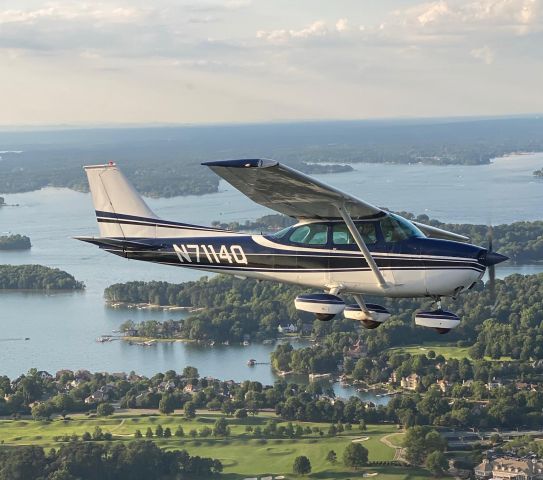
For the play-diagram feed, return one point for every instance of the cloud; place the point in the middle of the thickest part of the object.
(317, 30)
(522, 15)
(342, 25)
(72, 12)
(485, 54)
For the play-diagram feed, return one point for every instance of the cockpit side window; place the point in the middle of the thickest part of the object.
(310, 234)
(396, 229)
(342, 236)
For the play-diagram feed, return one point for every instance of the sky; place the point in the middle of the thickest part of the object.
(216, 61)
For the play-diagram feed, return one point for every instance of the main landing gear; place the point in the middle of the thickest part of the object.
(325, 306)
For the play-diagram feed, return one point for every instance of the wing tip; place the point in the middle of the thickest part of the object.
(242, 163)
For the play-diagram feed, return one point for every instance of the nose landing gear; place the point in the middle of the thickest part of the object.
(440, 320)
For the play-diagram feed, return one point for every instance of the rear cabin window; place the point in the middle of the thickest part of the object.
(310, 234)
(342, 236)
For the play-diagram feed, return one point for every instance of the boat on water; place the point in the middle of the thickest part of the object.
(251, 362)
(104, 339)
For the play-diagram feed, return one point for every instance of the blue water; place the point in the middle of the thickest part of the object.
(63, 327)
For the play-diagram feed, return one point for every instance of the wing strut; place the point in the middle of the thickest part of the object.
(362, 246)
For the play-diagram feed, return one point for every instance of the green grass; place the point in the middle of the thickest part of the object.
(242, 455)
(447, 350)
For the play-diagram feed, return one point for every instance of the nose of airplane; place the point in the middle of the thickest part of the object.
(488, 259)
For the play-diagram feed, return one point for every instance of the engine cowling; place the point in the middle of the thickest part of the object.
(371, 319)
(440, 320)
(324, 305)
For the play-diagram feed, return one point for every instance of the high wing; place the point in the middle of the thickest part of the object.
(297, 195)
(289, 191)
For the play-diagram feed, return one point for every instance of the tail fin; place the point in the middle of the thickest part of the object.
(115, 199)
(122, 213)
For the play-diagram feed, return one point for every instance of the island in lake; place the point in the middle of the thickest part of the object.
(36, 277)
(15, 242)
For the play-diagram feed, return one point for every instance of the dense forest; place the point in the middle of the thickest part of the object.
(132, 460)
(471, 394)
(233, 307)
(509, 326)
(164, 162)
(15, 242)
(36, 277)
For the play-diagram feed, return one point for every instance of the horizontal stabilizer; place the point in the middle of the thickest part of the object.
(119, 243)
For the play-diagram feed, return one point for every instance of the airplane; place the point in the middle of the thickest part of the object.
(340, 245)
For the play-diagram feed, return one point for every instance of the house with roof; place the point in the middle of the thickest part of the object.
(97, 397)
(287, 328)
(410, 382)
(510, 468)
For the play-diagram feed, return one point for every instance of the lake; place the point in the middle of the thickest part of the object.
(63, 327)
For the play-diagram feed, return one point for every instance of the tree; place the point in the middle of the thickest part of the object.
(167, 432)
(22, 463)
(241, 413)
(105, 410)
(190, 373)
(179, 432)
(149, 433)
(419, 441)
(86, 437)
(355, 455)
(97, 434)
(167, 404)
(331, 457)
(301, 466)
(61, 475)
(190, 410)
(159, 431)
(437, 463)
(221, 429)
(137, 434)
(41, 411)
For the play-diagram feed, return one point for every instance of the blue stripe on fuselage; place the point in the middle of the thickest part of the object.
(216, 252)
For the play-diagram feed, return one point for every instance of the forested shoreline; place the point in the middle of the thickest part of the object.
(234, 308)
(15, 242)
(312, 147)
(36, 277)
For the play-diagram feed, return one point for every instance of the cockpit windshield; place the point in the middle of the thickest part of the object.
(396, 229)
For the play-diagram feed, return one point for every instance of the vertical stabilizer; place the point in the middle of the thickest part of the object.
(120, 210)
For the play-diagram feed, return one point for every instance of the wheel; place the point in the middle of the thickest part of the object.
(442, 331)
(324, 317)
(370, 324)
